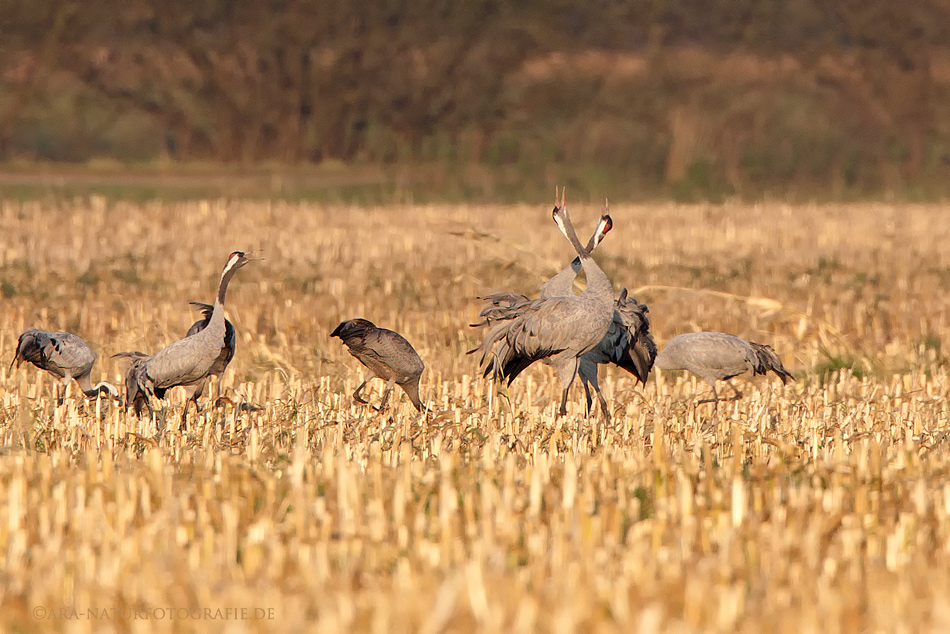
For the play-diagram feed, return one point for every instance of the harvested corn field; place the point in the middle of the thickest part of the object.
(818, 506)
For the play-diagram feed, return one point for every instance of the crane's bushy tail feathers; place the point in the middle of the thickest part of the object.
(136, 381)
(206, 309)
(28, 349)
(500, 357)
(136, 387)
(766, 359)
(639, 352)
(502, 306)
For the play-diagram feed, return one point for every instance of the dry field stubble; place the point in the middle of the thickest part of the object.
(819, 507)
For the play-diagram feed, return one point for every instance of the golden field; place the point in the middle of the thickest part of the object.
(821, 506)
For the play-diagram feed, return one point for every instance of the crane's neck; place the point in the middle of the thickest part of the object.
(597, 282)
(91, 391)
(217, 314)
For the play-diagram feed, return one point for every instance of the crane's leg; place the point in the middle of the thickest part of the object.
(737, 392)
(568, 371)
(389, 388)
(588, 373)
(600, 397)
(356, 394)
(64, 388)
(193, 392)
(715, 399)
(587, 395)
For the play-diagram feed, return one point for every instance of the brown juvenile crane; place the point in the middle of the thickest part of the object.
(386, 354)
(64, 355)
(718, 356)
(187, 362)
(561, 329)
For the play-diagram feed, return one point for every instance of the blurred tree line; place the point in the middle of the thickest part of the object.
(734, 94)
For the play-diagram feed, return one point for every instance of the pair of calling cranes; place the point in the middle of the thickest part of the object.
(573, 334)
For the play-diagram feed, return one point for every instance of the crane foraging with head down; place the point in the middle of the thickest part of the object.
(386, 354)
(556, 329)
(64, 355)
(187, 362)
(718, 356)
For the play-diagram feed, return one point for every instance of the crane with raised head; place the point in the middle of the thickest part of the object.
(187, 362)
(627, 344)
(503, 305)
(559, 329)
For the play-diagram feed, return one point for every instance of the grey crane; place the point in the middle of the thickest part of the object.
(138, 398)
(187, 362)
(386, 354)
(560, 329)
(627, 344)
(716, 356)
(64, 355)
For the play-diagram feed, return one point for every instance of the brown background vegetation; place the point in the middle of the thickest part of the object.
(701, 100)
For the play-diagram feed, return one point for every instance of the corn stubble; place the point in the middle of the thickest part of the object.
(823, 506)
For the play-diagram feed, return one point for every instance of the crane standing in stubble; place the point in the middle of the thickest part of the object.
(628, 342)
(64, 355)
(187, 362)
(387, 354)
(557, 328)
(719, 356)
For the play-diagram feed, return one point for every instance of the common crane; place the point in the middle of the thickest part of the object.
(386, 354)
(560, 329)
(187, 362)
(64, 355)
(716, 356)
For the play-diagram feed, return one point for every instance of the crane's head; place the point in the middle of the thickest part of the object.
(235, 261)
(604, 225)
(560, 210)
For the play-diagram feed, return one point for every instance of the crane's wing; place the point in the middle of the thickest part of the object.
(198, 326)
(183, 362)
(391, 349)
(542, 329)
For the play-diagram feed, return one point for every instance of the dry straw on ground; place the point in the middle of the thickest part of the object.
(822, 506)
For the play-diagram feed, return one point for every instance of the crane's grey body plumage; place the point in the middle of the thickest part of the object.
(195, 390)
(557, 329)
(187, 362)
(64, 355)
(719, 356)
(628, 342)
(387, 354)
